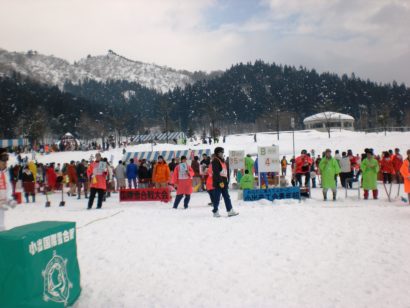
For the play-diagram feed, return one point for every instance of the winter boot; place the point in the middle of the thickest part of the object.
(366, 194)
(232, 213)
(375, 193)
(217, 215)
(34, 198)
(334, 196)
(324, 196)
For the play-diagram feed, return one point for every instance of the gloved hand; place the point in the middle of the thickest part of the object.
(222, 185)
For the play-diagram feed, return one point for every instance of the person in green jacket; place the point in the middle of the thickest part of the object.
(370, 169)
(247, 181)
(329, 169)
(249, 162)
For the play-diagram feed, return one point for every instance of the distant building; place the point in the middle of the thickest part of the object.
(321, 121)
(172, 137)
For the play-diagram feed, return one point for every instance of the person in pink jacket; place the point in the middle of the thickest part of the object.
(182, 179)
(97, 173)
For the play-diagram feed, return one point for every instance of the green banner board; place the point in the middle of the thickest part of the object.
(39, 266)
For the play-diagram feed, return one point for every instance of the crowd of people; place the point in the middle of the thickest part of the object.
(367, 168)
(99, 177)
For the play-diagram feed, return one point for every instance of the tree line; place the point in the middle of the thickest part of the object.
(246, 97)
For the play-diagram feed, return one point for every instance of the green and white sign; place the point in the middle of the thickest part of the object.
(39, 266)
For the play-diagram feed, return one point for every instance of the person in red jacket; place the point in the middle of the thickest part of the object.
(51, 177)
(397, 159)
(97, 173)
(72, 177)
(302, 167)
(209, 185)
(386, 167)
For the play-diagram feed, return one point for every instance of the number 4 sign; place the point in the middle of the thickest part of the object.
(268, 159)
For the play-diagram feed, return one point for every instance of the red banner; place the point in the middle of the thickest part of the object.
(145, 194)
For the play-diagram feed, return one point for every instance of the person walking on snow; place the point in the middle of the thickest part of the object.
(370, 169)
(329, 169)
(6, 189)
(220, 182)
(405, 172)
(182, 179)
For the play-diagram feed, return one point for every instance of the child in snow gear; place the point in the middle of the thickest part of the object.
(329, 169)
(370, 169)
(247, 181)
(220, 182)
(182, 178)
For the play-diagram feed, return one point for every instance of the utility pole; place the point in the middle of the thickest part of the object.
(166, 124)
(292, 124)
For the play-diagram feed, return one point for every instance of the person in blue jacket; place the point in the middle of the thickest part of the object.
(132, 172)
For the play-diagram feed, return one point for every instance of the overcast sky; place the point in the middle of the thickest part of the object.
(368, 37)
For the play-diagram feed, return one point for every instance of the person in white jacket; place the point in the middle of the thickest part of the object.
(346, 170)
(6, 189)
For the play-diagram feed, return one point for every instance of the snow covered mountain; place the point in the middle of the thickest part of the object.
(55, 71)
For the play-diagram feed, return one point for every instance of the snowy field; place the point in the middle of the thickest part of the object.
(348, 253)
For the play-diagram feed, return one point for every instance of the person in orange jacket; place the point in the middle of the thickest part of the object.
(405, 172)
(386, 167)
(97, 173)
(182, 179)
(161, 173)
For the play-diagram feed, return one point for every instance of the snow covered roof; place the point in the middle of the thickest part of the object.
(159, 137)
(328, 115)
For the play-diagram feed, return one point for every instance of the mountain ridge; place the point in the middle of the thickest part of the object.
(52, 70)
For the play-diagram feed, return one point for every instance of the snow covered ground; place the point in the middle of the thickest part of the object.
(348, 253)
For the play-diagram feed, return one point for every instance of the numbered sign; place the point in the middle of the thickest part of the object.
(237, 159)
(268, 159)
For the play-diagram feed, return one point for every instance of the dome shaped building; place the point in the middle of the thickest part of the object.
(329, 119)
